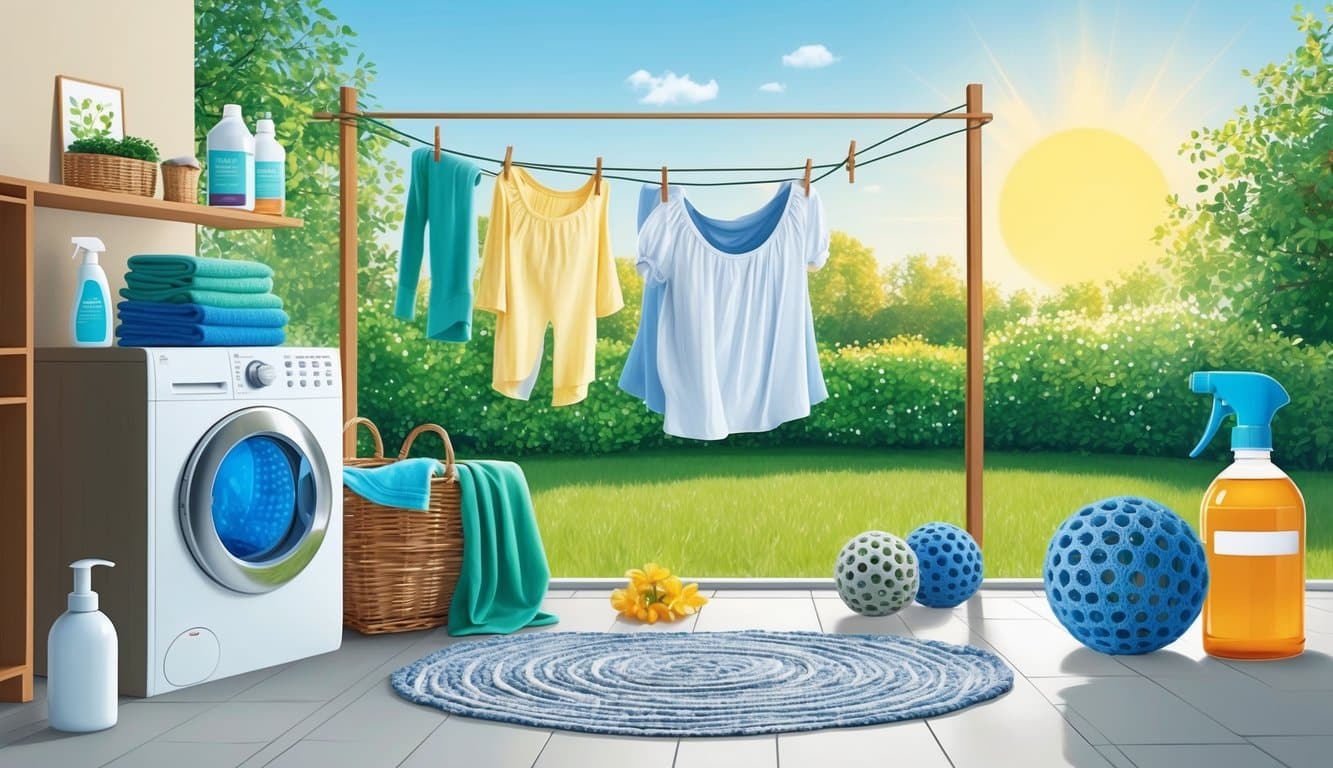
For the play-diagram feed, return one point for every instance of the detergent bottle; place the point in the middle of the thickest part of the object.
(1253, 523)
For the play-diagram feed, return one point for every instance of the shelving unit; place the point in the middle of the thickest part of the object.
(19, 198)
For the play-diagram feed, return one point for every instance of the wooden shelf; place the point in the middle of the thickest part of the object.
(13, 400)
(10, 351)
(47, 195)
(13, 199)
(8, 672)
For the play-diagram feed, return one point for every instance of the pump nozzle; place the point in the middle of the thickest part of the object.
(1252, 397)
(83, 598)
(89, 247)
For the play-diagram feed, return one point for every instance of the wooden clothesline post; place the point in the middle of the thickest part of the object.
(349, 257)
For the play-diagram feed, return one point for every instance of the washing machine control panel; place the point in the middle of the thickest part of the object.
(287, 372)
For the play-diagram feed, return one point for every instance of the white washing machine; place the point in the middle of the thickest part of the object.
(212, 477)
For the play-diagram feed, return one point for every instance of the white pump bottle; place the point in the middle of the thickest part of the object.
(90, 316)
(81, 651)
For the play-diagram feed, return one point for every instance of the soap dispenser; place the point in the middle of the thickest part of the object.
(81, 652)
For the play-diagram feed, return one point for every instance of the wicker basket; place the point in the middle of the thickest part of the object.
(180, 183)
(400, 566)
(109, 173)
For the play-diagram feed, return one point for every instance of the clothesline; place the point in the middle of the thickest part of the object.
(584, 170)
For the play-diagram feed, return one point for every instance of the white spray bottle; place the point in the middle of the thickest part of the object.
(90, 317)
(81, 650)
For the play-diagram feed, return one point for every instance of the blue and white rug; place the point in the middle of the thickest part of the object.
(702, 684)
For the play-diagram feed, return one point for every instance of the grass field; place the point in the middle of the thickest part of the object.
(767, 512)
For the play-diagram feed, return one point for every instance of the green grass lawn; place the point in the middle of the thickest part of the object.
(787, 512)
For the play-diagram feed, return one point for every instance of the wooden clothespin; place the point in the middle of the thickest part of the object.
(664, 183)
(809, 167)
(597, 178)
(851, 162)
(509, 159)
(437, 143)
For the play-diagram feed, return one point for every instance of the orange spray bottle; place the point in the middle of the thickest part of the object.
(1253, 523)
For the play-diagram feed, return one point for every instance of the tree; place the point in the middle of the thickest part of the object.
(1260, 247)
(1143, 286)
(289, 57)
(622, 325)
(1085, 298)
(846, 291)
(926, 297)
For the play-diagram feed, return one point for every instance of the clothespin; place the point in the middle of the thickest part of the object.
(437, 143)
(851, 162)
(809, 166)
(664, 183)
(509, 159)
(597, 178)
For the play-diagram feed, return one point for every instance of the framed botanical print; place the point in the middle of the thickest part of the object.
(89, 109)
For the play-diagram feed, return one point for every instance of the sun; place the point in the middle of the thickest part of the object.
(1082, 204)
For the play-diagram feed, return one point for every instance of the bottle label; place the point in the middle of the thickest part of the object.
(270, 180)
(228, 176)
(90, 313)
(1256, 543)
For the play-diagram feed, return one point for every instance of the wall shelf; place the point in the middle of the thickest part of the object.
(18, 200)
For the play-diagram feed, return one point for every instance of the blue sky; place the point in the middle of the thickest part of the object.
(1149, 70)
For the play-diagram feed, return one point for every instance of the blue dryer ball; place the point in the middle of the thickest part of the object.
(950, 562)
(1125, 575)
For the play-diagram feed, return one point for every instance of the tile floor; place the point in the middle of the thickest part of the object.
(1069, 706)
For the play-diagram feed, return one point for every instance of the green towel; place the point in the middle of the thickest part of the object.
(138, 282)
(504, 574)
(207, 298)
(168, 266)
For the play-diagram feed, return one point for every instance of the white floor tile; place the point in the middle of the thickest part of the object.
(136, 724)
(1199, 756)
(760, 593)
(578, 616)
(174, 754)
(836, 618)
(582, 750)
(380, 715)
(1115, 757)
(1311, 671)
(461, 742)
(749, 751)
(685, 624)
(982, 607)
(777, 614)
(1250, 708)
(1298, 751)
(1133, 710)
(242, 722)
(905, 744)
(1041, 649)
(558, 594)
(343, 754)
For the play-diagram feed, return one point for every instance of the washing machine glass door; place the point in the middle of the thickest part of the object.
(255, 499)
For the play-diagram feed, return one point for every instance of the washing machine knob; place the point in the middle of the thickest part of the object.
(260, 374)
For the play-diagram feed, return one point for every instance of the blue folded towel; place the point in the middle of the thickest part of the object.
(148, 312)
(404, 484)
(142, 334)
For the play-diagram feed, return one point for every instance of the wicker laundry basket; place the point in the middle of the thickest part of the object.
(400, 566)
(108, 173)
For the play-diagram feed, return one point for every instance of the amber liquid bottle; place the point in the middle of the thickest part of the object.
(1253, 523)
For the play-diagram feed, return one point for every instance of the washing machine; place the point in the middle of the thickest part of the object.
(212, 477)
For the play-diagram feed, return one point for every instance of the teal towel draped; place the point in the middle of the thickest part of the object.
(209, 298)
(138, 282)
(505, 574)
(176, 266)
(404, 484)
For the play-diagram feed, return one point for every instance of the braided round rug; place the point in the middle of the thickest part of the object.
(702, 684)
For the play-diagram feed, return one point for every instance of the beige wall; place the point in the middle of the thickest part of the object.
(144, 46)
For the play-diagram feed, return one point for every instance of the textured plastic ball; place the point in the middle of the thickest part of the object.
(950, 564)
(876, 574)
(1125, 575)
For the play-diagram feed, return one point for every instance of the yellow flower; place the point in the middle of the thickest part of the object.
(647, 577)
(687, 600)
(654, 595)
(626, 601)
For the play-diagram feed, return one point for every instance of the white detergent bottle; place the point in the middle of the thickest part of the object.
(270, 168)
(90, 316)
(81, 652)
(231, 162)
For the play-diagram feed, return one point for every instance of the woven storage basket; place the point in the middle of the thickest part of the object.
(400, 566)
(109, 173)
(180, 183)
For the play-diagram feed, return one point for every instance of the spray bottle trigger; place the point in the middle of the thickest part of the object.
(1220, 411)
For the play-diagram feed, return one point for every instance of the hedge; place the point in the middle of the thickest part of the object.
(1069, 383)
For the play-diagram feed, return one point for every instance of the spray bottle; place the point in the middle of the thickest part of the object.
(90, 317)
(1253, 523)
(81, 675)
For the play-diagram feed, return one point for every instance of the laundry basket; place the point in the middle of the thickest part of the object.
(400, 566)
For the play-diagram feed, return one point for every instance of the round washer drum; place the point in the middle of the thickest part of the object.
(255, 499)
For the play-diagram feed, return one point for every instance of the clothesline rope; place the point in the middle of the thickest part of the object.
(584, 170)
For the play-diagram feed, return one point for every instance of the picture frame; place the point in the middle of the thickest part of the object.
(89, 108)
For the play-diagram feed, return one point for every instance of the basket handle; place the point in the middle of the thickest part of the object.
(450, 470)
(374, 432)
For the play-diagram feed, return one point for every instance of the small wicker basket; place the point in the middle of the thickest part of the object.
(180, 183)
(400, 566)
(109, 173)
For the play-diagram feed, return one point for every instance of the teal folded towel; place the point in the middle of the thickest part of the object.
(504, 575)
(139, 282)
(404, 484)
(168, 266)
(209, 298)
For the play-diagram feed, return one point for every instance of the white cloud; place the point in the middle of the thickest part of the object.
(809, 57)
(671, 88)
(873, 188)
(773, 87)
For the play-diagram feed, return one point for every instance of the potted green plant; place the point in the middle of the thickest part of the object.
(127, 165)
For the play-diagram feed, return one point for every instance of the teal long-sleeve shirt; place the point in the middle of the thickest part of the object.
(440, 194)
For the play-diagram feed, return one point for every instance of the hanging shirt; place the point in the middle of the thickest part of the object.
(735, 335)
(547, 260)
(639, 377)
(440, 194)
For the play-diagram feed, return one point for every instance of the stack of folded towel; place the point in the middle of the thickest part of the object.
(186, 301)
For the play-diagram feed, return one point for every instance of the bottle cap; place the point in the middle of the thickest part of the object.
(231, 110)
(1251, 397)
(83, 598)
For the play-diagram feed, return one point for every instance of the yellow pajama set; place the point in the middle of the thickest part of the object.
(547, 260)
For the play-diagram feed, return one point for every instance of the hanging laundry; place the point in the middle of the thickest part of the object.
(547, 261)
(639, 377)
(735, 339)
(440, 194)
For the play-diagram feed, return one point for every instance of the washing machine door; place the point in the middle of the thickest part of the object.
(255, 499)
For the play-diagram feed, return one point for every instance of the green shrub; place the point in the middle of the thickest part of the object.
(131, 146)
